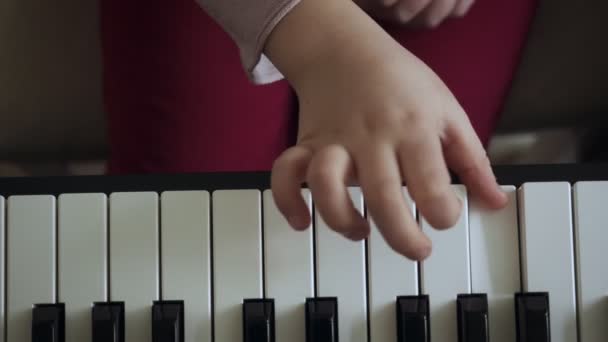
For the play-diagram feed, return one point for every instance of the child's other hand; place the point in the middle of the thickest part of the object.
(372, 113)
(420, 13)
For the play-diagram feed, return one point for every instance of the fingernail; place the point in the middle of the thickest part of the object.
(355, 236)
(298, 222)
(425, 251)
(503, 194)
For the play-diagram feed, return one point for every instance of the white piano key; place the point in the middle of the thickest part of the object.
(2, 268)
(341, 273)
(446, 272)
(134, 269)
(30, 261)
(547, 252)
(237, 258)
(186, 258)
(495, 262)
(390, 275)
(82, 264)
(591, 239)
(288, 262)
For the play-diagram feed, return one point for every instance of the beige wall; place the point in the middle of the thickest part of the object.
(49, 77)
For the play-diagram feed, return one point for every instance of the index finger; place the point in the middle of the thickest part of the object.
(466, 156)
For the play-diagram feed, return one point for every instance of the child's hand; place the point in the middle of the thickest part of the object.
(425, 13)
(373, 113)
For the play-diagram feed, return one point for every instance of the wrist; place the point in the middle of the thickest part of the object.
(322, 32)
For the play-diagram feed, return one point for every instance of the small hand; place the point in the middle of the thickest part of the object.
(371, 113)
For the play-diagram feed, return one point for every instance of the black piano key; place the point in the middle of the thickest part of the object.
(258, 320)
(413, 320)
(472, 315)
(48, 323)
(322, 319)
(168, 321)
(108, 322)
(532, 317)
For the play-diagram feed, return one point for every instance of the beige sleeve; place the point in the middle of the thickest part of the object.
(249, 22)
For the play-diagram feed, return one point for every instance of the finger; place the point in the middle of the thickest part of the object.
(406, 10)
(381, 184)
(326, 178)
(288, 174)
(436, 12)
(462, 7)
(467, 158)
(389, 3)
(428, 180)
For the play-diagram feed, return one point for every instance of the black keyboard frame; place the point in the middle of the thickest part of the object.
(506, 175)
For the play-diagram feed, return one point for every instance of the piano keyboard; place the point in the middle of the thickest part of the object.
(208, 257)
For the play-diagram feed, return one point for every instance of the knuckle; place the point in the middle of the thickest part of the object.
(413, 119)
(281, 162)
(329, 153)
(414, 140)
(323, 168)
(380, 119)
(288, 157)
(394, 118)
(418, 124)
(321, 175)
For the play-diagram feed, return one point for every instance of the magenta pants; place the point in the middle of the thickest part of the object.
(177, 99)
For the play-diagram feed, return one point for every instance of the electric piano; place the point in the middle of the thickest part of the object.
(208, 257)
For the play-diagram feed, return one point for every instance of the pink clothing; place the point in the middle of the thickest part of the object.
(249, 23)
